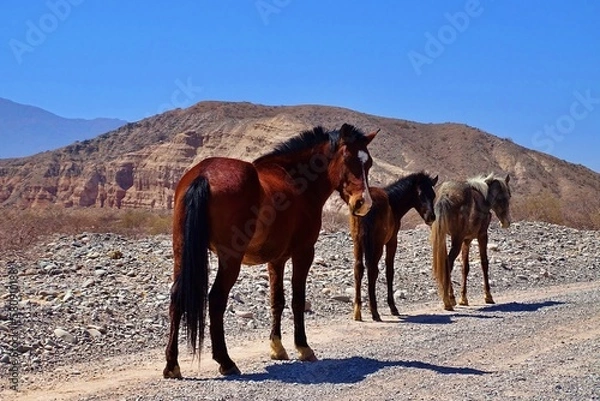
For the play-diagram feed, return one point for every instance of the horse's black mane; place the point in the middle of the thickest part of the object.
(309, 139)
(397, 189)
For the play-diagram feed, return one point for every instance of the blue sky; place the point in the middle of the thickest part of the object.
(529, 71)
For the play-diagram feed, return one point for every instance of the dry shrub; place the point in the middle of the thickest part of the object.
(334, 221)
(20, 229)
(595, 219)
(539, 207)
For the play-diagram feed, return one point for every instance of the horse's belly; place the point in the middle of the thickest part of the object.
(264, 250)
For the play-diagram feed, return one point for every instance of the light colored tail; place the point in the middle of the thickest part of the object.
(440, 270)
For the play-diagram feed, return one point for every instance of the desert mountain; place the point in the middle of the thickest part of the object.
(31, 129)
(139, 164)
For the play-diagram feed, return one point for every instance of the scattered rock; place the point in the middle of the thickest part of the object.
(65, 335)
(94, 333)
(244, 314)
(341, 298)
(93, 255)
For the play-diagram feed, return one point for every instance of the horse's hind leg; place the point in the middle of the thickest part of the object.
(390, 254)
(483, 241)
(301, 262)
(172, 370)
(227, 274)
(465, 272)
(276, 270)
(452, 255)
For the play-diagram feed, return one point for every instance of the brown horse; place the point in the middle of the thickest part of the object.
(380, 227)
(463, 211)
(267, 211)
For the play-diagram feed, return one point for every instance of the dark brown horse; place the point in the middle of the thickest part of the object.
(463, 211)
(267, 211)
(380, 227)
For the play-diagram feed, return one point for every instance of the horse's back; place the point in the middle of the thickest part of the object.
(452, 196)
(224, 175)
(453, 206)
(459, 209)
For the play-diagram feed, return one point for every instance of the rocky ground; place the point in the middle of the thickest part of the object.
(91, 298)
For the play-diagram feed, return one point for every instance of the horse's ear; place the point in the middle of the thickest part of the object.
(507, 178)
(434, 181)
(346, 132)
(489, 179)
(372, 135)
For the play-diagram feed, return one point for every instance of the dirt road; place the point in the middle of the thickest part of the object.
(542, 345)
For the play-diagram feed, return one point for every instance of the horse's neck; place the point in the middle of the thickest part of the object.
(402, 204)
(480, 202)
(311, 179)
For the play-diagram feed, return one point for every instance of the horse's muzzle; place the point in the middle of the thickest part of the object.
(429, 219)
(360, 206)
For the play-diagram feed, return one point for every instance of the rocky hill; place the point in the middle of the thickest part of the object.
(139, 164)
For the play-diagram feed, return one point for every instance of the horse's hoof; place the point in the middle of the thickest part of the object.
(279, 356)
(449, 307)
(175, 373)
(463, 302)
(307, 354)
(357, 313)
(231, 371)
(278, 353)
(489, 300)
(395, 312)
(377, 318)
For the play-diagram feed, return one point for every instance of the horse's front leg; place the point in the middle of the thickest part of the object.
(276, 270)
(359, 272)
(483, 241)
(465, 272)
(301, 262)
(356, 229)
(390, 254)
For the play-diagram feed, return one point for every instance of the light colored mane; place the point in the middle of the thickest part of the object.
(479, 183)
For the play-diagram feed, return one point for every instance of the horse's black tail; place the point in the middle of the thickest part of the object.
(192, 281)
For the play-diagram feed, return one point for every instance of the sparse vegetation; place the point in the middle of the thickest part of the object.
(334, 221)
(539, 207)
(20, 229)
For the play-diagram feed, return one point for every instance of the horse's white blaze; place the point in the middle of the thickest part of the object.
(364, 157)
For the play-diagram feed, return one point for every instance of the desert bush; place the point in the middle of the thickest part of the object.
(334, 221)
(539, 207)
(20, 229)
